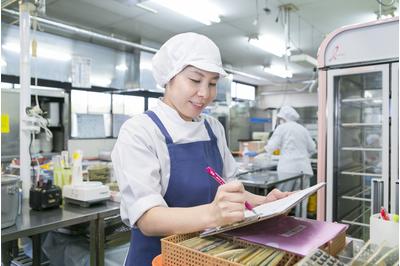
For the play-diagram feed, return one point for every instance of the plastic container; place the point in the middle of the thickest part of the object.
(77, 167)
(384, 232)
(10, 200)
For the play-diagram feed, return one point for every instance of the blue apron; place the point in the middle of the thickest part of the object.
(189, 185)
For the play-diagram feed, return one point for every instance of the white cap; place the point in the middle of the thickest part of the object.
(183, 50)
(288, 113)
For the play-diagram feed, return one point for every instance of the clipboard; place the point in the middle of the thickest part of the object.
(266, 210)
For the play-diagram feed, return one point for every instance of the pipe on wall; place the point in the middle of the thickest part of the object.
(85, 32)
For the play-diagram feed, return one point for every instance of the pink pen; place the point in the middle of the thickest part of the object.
(221, 181)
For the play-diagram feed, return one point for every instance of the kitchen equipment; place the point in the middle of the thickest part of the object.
(45, 196)
(11, 198)
(53, 114)
(46, 142)
(86, 193)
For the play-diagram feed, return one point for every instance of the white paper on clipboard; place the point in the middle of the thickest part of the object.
(267, 210)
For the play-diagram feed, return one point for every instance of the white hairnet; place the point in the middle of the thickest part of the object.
(182, 50)
(288, 113)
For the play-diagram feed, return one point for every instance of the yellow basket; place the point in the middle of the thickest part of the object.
(174, 254)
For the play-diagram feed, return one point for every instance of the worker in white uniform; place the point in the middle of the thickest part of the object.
(296, 146)
(161, 155)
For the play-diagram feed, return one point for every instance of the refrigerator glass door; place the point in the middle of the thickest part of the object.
(357, 144)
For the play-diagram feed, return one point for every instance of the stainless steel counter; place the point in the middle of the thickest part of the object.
(264, 178)
(261, 180)
(33, 223)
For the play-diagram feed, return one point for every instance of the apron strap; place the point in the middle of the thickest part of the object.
(209, 130)
(160, 125)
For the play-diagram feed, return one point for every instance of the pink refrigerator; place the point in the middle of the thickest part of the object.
(358, 122)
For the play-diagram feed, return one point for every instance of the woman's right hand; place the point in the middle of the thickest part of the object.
(228, 205)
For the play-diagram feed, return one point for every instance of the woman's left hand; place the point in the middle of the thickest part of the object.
(276, 194)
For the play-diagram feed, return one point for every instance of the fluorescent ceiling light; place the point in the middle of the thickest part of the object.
(244, 74)
(43, 52)
(270, 44)
(201, 11)
(279, 71)
(146, 8)
(121, 67)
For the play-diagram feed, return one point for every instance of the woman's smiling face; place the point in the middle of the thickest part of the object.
(190, 91)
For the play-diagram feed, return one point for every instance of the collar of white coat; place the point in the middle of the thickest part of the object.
(174, 115)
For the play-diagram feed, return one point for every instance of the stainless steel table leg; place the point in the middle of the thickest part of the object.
(36, 250)
(93, 240)
(101, 240)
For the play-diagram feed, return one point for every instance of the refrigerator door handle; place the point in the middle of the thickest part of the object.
(396, 207)
(377, 201)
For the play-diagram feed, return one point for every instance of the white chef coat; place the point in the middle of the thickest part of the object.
(141, 160)
(296, 146)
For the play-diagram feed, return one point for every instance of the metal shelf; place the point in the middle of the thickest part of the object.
(358, 194)
(361, 124)
(360, 149)
(359, 219)
(377, 100)
(360, 174)
(360, 171)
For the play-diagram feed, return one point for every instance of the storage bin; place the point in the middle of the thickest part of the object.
(174, 253)
(384, 232)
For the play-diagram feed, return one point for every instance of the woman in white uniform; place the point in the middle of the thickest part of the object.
(160, 156)
(296, 146)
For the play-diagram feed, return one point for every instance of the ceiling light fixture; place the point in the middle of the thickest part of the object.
(278, 71)
(146, 8)
(201, 11)
(42, 52)
(270, 44)
(233, 71)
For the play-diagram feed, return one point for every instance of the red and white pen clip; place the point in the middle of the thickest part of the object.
(221, 181)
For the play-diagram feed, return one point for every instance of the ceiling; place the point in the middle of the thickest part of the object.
(309, 25)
